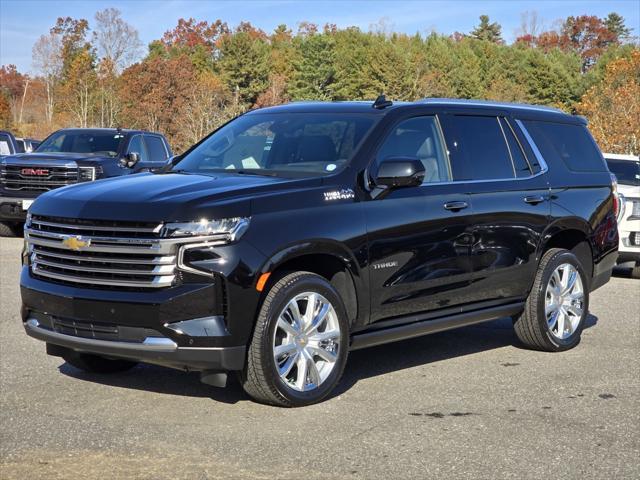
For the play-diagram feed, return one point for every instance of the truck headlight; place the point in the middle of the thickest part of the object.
(88, 174)
(231, 228)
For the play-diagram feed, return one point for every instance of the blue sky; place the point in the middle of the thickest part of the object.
(23, 21)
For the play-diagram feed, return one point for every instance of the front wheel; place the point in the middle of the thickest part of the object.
(557, 306)
(300, 343)
(7, 230)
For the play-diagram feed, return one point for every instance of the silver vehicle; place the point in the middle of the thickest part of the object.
(626, 168)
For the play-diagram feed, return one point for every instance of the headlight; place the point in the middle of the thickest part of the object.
(231, 228)
(86, 174)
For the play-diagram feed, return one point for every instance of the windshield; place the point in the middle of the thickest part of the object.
(626, 171)
(90, 142)
(296, 144)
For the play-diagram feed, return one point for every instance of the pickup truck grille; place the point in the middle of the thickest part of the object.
(36, 178)
(101, 254)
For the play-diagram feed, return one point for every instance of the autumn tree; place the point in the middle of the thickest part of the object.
(613, 106)
(79, 89)
(73, 40)
(14, 86)
(5, 113)
(117, 45)
(115, 40)
(47, 60)
(154, 93)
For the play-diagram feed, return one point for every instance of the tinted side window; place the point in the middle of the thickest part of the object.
(517, 155)
(418, 137)
(136, 145)
(571, 143)
(155, 145)
(478, 149)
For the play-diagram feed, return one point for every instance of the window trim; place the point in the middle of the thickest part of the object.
(543, 165)
(441, 138)
(522, 149)
(506, 142)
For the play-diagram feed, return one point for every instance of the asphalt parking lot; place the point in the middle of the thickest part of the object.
(462, 404)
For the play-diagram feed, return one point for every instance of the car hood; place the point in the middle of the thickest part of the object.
(52, 158)
(161, 197)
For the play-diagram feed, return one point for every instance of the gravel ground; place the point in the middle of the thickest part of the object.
(462, 404)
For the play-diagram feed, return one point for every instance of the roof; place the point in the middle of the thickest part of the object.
(618, 156)
(367, 107)
(97, 129)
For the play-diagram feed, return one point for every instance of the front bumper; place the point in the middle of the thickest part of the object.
(12, 209)
(154, 350)
(182, 327)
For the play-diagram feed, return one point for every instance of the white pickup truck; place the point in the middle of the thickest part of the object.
(626, 168)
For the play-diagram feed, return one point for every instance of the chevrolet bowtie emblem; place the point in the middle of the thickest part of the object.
(75, 242)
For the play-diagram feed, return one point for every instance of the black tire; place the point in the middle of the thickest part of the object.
(97, 364)
(635, 271)
(260, 378)
(531, 326)
(7, 230)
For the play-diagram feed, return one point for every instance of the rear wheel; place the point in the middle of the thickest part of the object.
(300, 343)
(97, 364)
(557, 306)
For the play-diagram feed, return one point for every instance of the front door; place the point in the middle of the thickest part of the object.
(419, 237)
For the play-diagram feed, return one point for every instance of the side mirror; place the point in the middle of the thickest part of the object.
(130, 159)
(394, 172)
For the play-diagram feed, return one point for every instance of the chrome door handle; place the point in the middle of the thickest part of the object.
(534, 199)
(455, 206)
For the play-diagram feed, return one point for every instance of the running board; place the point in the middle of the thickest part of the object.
(421, 327)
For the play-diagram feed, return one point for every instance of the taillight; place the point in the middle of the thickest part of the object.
(616, 197)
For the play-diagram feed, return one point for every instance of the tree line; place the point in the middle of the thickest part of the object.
(202, 73)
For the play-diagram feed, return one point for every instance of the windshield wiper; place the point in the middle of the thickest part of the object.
(261, 173)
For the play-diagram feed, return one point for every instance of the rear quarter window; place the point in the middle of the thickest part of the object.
(571, 144)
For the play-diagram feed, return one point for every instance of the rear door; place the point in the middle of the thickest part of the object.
(418, 244)
(509, 193)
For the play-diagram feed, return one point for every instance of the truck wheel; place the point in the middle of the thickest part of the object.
(300, 343)
(557, 306)
(6, 230)
(97, 364)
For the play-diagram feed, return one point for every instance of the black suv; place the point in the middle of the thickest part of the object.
(72, 156)
(297, 233)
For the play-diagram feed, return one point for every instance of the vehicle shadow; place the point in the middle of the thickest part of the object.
(429, 349)
(362, 364)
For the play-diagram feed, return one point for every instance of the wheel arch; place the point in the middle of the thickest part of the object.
(330, 260)
(572, 234)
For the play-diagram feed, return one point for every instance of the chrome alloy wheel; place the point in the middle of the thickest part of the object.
(306, 341)
(564, 301)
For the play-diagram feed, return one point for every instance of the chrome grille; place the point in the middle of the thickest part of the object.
(125, 255)
(37, 178)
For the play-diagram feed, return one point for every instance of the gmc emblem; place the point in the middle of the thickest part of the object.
(35, 171)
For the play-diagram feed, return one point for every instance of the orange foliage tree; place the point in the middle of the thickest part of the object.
(613, 106)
